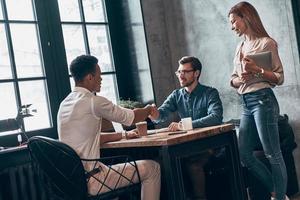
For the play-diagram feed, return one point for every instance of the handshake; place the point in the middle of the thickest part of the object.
(152, 110)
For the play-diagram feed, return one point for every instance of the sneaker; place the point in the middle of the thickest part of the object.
(286, 198)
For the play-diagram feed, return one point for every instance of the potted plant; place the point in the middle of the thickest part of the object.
(130, 104)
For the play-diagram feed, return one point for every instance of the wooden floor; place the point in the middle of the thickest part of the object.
(295, 197)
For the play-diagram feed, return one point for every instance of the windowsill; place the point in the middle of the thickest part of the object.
(13, 149)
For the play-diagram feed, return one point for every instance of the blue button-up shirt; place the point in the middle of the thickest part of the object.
(203, 105)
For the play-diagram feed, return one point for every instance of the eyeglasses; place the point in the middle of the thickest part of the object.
(183, 72)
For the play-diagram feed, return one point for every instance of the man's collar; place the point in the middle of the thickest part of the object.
(81, 89)
(195, 90)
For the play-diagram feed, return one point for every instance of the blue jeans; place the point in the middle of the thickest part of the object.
(259, 124)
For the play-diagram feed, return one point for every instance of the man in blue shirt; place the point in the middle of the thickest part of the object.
(200, 102)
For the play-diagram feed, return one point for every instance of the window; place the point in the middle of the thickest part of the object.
(22, 76)
(85, 31)
(38, 41)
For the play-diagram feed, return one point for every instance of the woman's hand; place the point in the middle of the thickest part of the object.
(246, 76)
(249, 65)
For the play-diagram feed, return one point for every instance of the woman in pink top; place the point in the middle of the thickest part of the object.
(260, 107)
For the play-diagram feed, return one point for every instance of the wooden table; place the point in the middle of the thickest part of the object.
(169, 150)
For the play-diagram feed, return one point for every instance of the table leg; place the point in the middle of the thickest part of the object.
(171, 170)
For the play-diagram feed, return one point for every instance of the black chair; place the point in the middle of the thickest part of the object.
(67, 176)
(256, 189)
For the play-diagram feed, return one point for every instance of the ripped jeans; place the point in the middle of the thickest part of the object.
(259, 124)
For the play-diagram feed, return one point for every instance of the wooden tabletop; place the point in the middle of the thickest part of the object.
(163, 139)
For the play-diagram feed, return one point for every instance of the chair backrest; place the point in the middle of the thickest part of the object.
(61, 164)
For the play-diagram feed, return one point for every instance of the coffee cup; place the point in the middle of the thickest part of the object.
(141, 128)
(187, 124)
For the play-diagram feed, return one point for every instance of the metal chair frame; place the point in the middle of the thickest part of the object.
(65, 171)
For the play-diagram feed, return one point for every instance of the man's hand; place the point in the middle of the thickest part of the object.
(174, 126)
(132, 134)
(140, 114)
(154, 112)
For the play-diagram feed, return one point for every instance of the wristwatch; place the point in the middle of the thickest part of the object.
(124, 135)
(260, 74)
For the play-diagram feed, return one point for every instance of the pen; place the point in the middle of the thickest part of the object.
(176, 132)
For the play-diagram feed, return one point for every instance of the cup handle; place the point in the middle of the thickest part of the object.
(180, 126)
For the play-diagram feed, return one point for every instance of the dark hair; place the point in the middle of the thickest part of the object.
(248, 13)
(82, 66)
(195, 62)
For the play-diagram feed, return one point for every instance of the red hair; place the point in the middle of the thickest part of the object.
(250, 16)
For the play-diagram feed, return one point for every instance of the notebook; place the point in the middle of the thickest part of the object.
(262, 59)
(119, 129)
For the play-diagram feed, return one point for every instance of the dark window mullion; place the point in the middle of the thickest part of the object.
(107, 29)
(109, 38)
(23, 79)
(84, 23)
(85, 37)
(104, 10)
(110, 47)
(38, 39)
(17, 21)
(107, 73)
(11, 55)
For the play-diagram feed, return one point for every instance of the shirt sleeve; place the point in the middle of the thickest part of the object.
(102, 107)
(214, 111)
(234, 73)
(167, 107)
(277, 67)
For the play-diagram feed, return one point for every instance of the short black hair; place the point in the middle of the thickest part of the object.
(83, 65)
(195, 62)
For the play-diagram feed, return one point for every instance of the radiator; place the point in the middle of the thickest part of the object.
(22, 182)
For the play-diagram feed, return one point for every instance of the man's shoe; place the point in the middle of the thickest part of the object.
(286, 198)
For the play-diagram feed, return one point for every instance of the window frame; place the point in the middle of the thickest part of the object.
(54, 58)
(52, 54)
(83, 23)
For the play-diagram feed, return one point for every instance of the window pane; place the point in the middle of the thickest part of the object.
(5, 69)
(73, 38)
(69, 10)
(139, 42)
(20, 10)
(99, 46)
(108, 87)
(72, 83)
(35, 93)
(93, 11)
(8, 105)
(1, 15)
(135, 11)
(26, 50)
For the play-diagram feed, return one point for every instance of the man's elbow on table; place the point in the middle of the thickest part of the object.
(110, 137)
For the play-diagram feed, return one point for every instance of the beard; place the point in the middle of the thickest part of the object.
(187, 83)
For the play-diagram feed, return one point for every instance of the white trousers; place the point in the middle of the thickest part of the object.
(149, 171)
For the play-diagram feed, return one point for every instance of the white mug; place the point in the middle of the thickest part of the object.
(187, 124)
